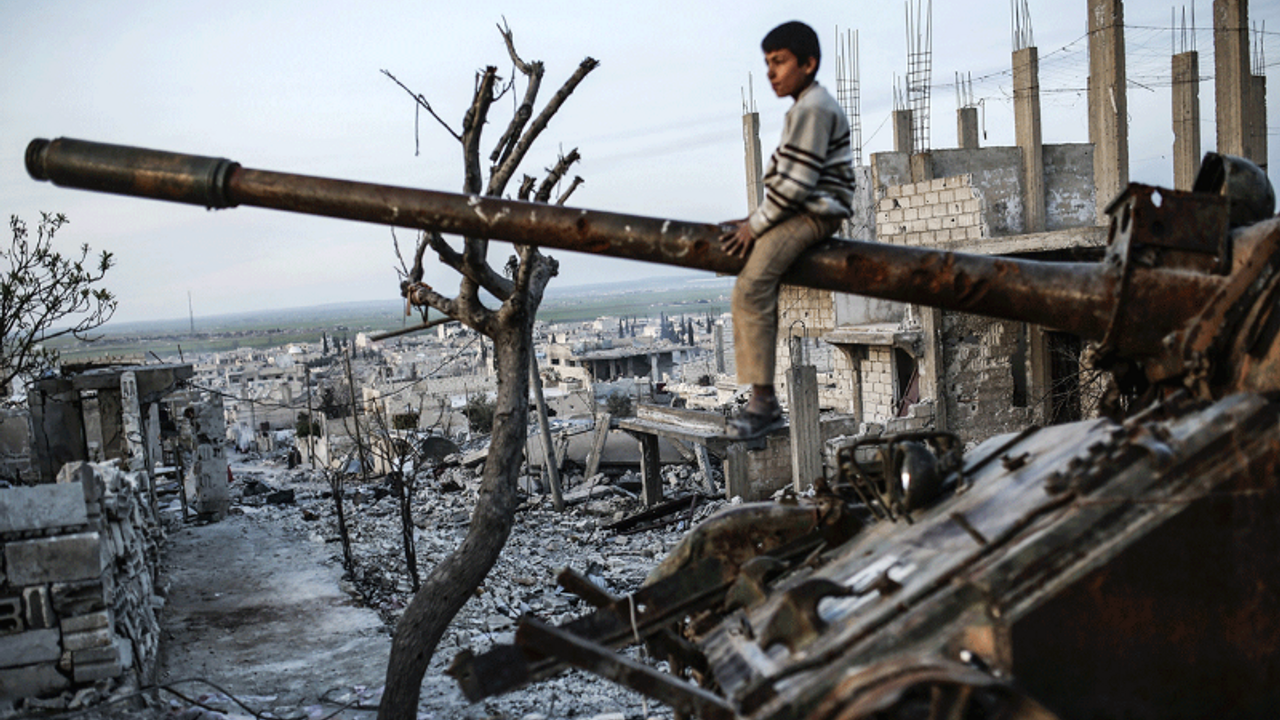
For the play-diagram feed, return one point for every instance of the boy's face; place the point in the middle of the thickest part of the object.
(787, 75)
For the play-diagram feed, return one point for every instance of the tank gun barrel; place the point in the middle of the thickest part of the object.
(1076, 297)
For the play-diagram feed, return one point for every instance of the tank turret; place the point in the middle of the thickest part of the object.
(1113, 567)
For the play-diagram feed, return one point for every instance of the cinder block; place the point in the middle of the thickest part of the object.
(108, 653)
(31, 681)
(41, 507)
(63, 558)
(91, 621)
(29, 648)
(11, 615)
(87, 639)
(80, 598)
(39, 610)
(92, 672)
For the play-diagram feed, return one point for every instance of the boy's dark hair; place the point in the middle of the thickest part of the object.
(797, 37)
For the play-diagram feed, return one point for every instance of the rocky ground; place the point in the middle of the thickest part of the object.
(261, 605)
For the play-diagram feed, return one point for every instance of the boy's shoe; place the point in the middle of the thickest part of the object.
(749, 425)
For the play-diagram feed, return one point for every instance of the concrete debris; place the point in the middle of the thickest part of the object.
(77, 600)
(542, 542)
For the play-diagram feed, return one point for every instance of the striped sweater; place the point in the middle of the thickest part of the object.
(812, 169)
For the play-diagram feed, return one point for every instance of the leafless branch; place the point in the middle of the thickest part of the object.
(526, 187)
(554, 174)
(498, 180)
(495, 284)
(531, 70)
(422, 102)
(577, 180)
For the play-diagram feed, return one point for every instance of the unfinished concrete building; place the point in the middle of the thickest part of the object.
(911, 367)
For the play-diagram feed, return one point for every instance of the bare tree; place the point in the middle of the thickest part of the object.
(45, 294)
(510, 326)
(402, 456)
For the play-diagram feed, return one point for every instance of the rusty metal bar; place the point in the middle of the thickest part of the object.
(598, 659)
(1076, 297)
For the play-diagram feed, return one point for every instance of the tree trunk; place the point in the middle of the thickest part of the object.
(452, 582)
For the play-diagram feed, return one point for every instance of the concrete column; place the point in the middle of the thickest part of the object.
(903, 135)
(1231, 81)
(717, 333)
(135, 441)
(930, 364)
(1040, 389)
(1186, 119)
(155, 455)
(802, 404)
(207, 483)
(922, 167)
(1108, 103)
(1258, 120)
(736, 481)
(755, 169)
(650, 470)
(967, 128)
(1026, 111)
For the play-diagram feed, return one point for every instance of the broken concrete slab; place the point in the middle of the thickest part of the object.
(88, 639)
(64, 558)
(31, 680)
(29, 648)
(91, 621)
(42, 507)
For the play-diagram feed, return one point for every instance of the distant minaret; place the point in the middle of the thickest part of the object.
(751, 139)
(191, 313)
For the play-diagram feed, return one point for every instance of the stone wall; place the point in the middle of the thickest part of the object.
(995, 174)
(769, 469)
(984, 362)
(878, 394)
(77, 602)
(934, 213)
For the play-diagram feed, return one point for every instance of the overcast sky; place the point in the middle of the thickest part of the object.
(296, 87)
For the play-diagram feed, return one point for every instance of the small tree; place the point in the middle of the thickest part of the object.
(479, 412)
(42, 288)
(619, 404)
(306, 427)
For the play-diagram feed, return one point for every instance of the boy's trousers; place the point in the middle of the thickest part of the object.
(755, 294)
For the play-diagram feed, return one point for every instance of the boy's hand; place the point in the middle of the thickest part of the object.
(738, 240)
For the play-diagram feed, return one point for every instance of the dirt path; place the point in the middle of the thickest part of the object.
(256, 608)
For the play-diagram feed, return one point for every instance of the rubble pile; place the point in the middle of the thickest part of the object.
(77, 599)
(542, 542)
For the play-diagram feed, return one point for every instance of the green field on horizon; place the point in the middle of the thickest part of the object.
(268, 329)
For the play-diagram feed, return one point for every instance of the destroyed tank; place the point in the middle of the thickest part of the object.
(1121, 566)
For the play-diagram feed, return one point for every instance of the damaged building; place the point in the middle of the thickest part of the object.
(943, 555)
